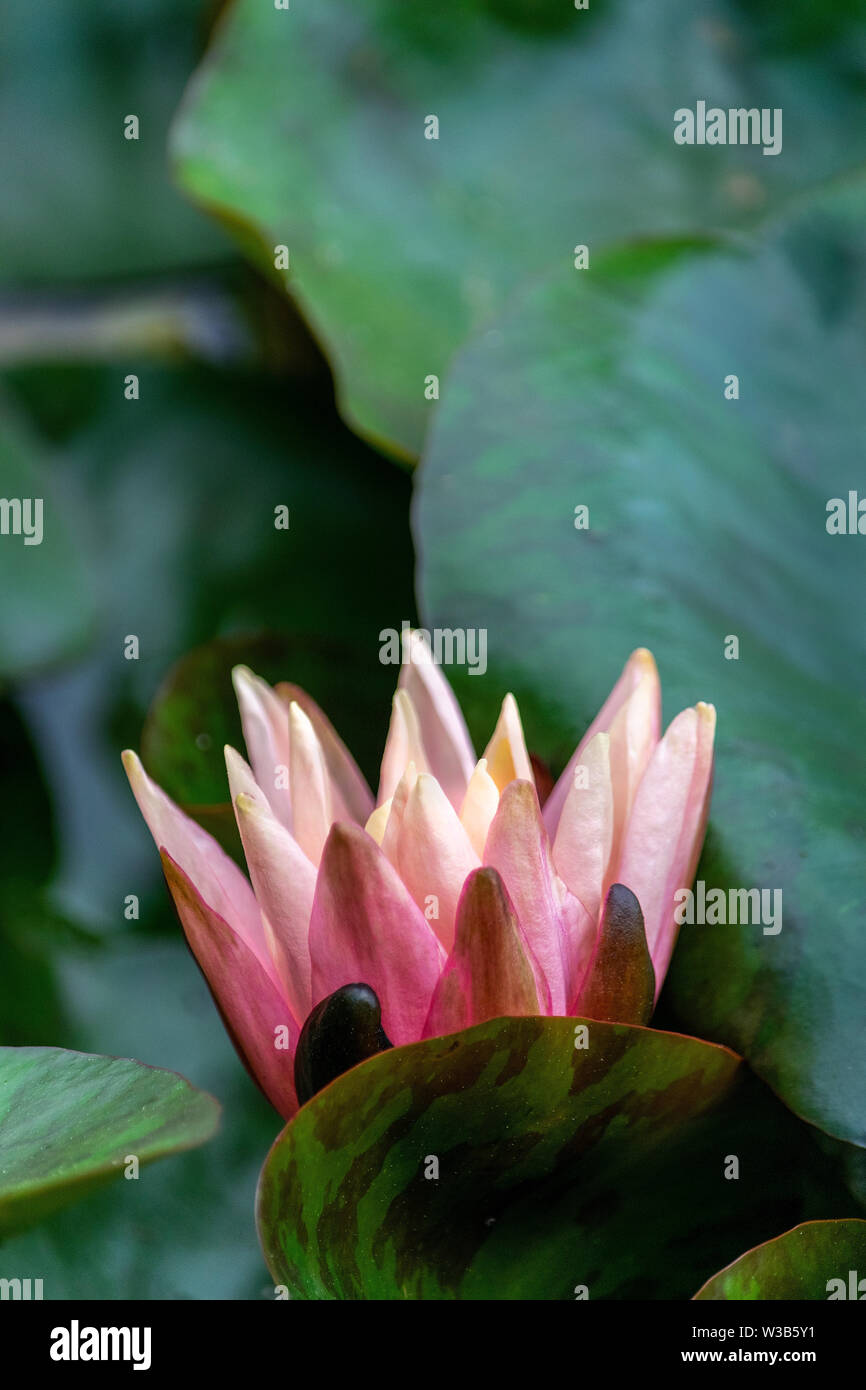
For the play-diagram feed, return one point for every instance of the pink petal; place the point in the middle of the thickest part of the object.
(284, 881)
(506, 753)
(639, 668)
(665, 832)
(242, 782)
(390, 836)
(255, 1013)
(581, 932)
(311, 786)
(634, 733)
(432, 853)
(518, 848)
(479, 807)
(351, 797)
(443, 729)
(402, 746)
(581, 850)
(490, 973)
(216, 876)
(265, 721)
(366, 928)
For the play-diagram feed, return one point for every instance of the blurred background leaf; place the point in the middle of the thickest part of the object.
(40, 563)
(306, 128)
(175, 496)
(707, 518)
(81, 201)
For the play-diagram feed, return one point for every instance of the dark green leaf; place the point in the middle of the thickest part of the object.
(547, 1153)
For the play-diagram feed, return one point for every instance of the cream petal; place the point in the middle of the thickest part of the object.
(378, 820)
(402, 746)
(310, 786)
(506, 754)
(479, 806)
(665, 832)
(265, 722)
(351, 798)
(432, 854)
(581, 850)
(640, 669)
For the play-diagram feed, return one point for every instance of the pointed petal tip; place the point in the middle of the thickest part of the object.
(301, 725)
(242, 675)
(488, 880)
(344, 833)
(519, 789)
(378, 820)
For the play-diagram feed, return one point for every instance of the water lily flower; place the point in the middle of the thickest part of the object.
(451, 898)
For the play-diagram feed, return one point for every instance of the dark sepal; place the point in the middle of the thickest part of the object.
(341, 1031)
(620, 985)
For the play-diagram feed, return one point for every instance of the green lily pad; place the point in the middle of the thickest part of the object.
(71, 1121)
(818, 1260)
(306, 128)
(502, 1162)
(707, 520)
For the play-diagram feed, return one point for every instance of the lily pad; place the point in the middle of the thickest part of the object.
(707, 521)
(305, 127)
(71, 1121)
(817, 1260)
(502, 1162)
